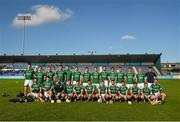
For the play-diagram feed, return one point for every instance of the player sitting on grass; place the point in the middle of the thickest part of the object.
(36, 90)
(90, 91)
(69, 92)
(113, 92)
(123, 91)
(58, 90)
(78, 92)
(146, 93)
(136, 92)
(47, 87)
(157, 91)
(102, 91)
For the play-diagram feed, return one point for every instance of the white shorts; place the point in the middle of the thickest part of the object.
(141, 85)
(106, 83)
(46, 94)
(102, 95)
(149, 84)
(28, 83)
(119, 84)
(156, 94)
(34, 95)
(74, 82)
(129, 86)
(85, 84)
(97, 85)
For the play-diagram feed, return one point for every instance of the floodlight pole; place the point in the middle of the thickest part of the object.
(24, 18)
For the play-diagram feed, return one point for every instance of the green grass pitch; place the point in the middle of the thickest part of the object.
(89, 110)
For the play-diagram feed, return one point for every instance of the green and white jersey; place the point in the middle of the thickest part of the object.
(78, 89)
(86, 77)
(130, 78)
(35, 87)
(50, 74)
(146, 91)
(47, 85)
(68, 74)
(95, 76)
(113, 89)
(104, 75)
(76, 76)
(120, 76)
(60, 75)
(135, 90)
(69, 88)
(39, 76)
(29, 74)
(90, 89)
(102, 89)
(123, 90)
(112, 76)
(140, 77)
(155, 87)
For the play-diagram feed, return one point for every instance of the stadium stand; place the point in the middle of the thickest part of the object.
(14, 65)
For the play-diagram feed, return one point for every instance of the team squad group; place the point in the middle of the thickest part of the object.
(104, 87)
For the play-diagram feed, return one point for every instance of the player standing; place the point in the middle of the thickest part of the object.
(39, 74)
(150, 76)
(130, 78)
(76, 76)
(140, 78)
(120, 76)
(86, 77)
(50, 73)
(28, 74)
(68, 74)
(95, 78)
(60, 74)
(104, 76)
(112, 76)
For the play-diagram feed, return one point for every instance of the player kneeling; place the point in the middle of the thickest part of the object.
(36, 90)
(78, 92)
(158, 91)
(123, 91)
(90, 92)
(47, 87)
(58, 90)
(136, 93)
(113, 93)
(146, 93)
(70, 96)
(102, 92)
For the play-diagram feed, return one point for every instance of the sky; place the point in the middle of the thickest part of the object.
(79, 26)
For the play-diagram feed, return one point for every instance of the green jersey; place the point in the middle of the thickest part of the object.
(35, 87)
(90, 89)
(95, 76)
(135, 90)
(60, 75)
(50, 74)
(113, 89)
(86, 77)
(146, 91)
(156, 87)
(68, 75)
(112, 76)
(78, 89)
(102, 89)
(140, 78)
(47, 85)
(120, 77)
(29, 74)
(76, 76)
(130, 78)
(69, 88)
(104, 75)
(39, 76)
(123, 90)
